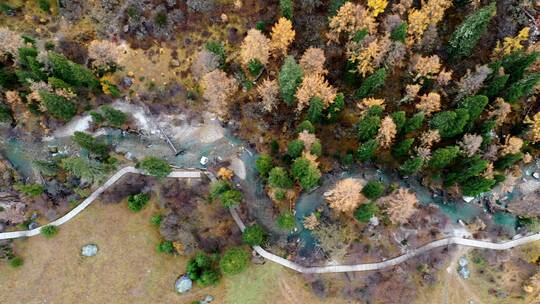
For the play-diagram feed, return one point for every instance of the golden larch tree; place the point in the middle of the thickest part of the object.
(312, 61)
(282, 36)
(268, 91)
(346, 195)
(255, 46)
(218, 89)
(314, 85)
(400, 205)
(429, 103)
(387, 132)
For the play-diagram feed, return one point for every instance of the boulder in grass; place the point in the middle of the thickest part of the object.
(89, 250)
(183, 284)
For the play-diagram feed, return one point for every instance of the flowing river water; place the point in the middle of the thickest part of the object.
(211, 140)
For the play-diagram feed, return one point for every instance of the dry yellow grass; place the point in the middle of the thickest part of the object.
(127, 268)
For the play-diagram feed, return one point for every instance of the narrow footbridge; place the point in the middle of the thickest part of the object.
(272, 257)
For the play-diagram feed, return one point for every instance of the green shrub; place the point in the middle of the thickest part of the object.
(202, 270)
(279, 195)
(58, 83)
(371, 84)
(166, 247)
(160, 19)
(399, 33)
(373, 189)
(466, 36)
(334, 6)
(138, 201)
(286, 7)
(306, 173)
(8, 79)
(218, 49)
(49, 231)
(231, 198)
(253, 235)
(96, 117)
(234, 261)
(443, 157)
(305, 125)
(91, 144)
(368, 127)
(16, 262)
(286, 221)
(316, 148)
(47, 168)
(30, 189)
(59, 107)
(44, 5)
(7, 10)
(115, 117)
(5, 113)
(295, 148)
(155, 166)
(254, 67)
(290, 77)
(218, 187)
(365, 212)
(82, 167)
(411, 166)
(366, 151)
(156, 219)
(263, 164)
(279, 178)
(360, 35)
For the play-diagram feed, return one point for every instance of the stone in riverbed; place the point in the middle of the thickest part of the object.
(183, 284)
(89, 250)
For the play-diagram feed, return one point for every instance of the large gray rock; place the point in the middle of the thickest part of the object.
(183, 284)
(89, 250)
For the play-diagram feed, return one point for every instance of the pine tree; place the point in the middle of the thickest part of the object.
(443, 157)
(368, 127)
(290, 77)
(414, 123)
(466, 36)
(399, 119)
(371, 84)
(366, 151)
(523, 87)
(411, 166)
(58, 106)
(450, 123)
(315, 110)
(287, 8)
(402, 148)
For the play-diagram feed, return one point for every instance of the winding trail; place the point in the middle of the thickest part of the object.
(272, 257)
